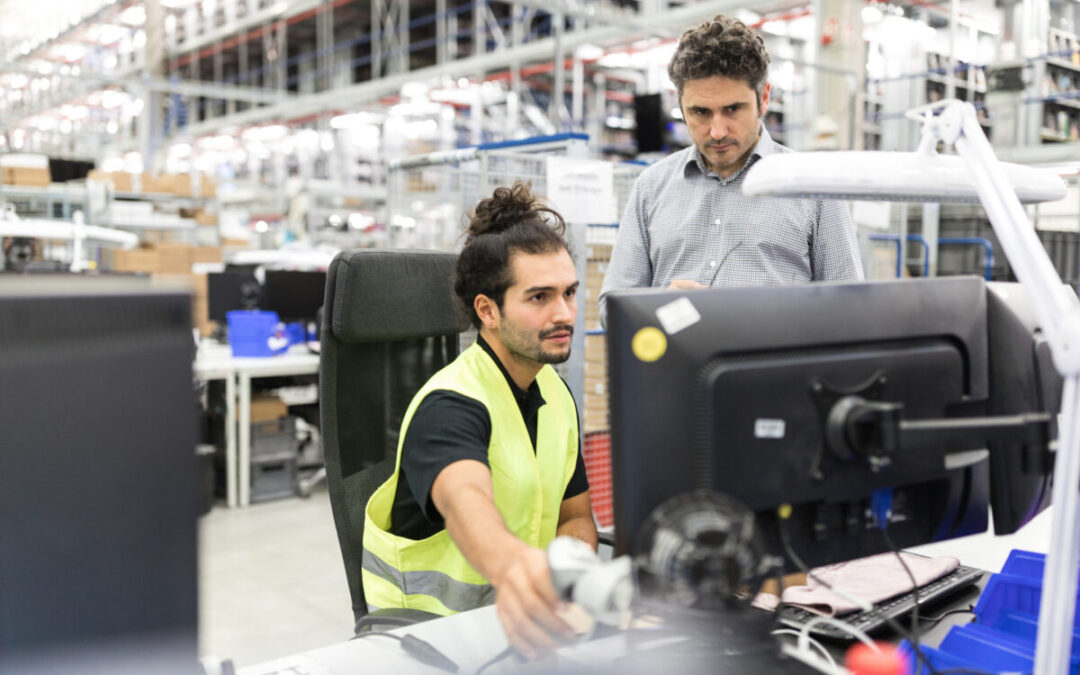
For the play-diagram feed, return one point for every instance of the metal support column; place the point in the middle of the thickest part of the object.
(558, 92)
(442, 35)
(216, 107)
(577, 106)
(389, 37)
(324, 46)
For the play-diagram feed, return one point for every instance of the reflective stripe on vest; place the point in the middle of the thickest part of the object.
(431, 574)
(457, 596)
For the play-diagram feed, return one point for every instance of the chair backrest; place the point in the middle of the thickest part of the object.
(390, 321)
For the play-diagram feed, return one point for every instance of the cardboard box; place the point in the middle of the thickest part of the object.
(198, 286)
(202, 218)
(154, 184)
(207, 188)
(134, 260)
(265, 408)
(30, 177)
(207, 254)
(598, 252)
(178, 184)
(173, 258)
(7, 175)
(122, 181)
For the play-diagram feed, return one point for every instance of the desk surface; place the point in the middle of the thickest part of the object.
(214, 357)
(469, 639)
(472, 638)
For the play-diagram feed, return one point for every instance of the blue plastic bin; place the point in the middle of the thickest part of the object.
(1002, 636)
(297, 333)
(255, 333)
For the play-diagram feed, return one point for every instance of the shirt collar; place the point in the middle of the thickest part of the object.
(530, 400)
(764, 147)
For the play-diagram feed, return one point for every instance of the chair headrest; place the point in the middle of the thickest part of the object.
(385, 295)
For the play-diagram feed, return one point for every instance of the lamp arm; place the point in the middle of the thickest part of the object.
(1058, 314)
(1059, 318)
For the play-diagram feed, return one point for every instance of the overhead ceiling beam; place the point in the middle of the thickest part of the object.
(372, 90)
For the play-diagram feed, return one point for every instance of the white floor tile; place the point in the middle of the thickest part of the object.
(271, 580)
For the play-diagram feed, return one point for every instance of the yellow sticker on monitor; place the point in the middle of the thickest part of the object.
(649, 344)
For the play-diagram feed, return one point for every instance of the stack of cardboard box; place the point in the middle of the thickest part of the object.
(180, 185)
(596, 381)
(25, 170)
(170, 265)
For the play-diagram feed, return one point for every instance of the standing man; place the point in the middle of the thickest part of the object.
(687, 223)
(489, 466)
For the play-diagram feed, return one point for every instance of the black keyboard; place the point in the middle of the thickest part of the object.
(893, 608)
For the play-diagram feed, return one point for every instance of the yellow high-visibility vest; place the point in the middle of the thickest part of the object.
(431, 574)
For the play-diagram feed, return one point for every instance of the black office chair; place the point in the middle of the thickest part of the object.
(389, 322)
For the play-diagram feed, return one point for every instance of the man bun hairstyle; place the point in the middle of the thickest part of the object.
(511, 220)
(724, 46)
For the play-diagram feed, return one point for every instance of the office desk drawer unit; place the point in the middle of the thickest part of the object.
(274, 479)
(273, 440)
(274, 459)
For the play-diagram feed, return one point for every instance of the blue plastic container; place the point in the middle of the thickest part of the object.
(1002, 636)
(296, 332)
(255, 333)
(1025, 564)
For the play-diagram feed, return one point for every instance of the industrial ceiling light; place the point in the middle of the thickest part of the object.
(926, 176)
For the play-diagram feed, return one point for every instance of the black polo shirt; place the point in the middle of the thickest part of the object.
(448, 427)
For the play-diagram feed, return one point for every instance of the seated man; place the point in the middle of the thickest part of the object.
(489, 466)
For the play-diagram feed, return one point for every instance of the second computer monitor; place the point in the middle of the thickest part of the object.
(295, 296)
(230, 290)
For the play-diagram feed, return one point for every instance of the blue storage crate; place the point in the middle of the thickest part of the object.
(255, 333)
(1002, 637)
(1025, 564)
(296, 333)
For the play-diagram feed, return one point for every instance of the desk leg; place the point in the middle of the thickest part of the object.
(230, 440)
(244, 451)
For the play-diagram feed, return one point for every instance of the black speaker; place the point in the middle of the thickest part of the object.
(649, 112)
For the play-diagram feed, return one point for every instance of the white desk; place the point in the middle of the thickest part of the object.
(216, 362)
(472, 638)
(469, 639)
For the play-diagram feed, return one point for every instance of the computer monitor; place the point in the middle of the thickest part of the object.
(1023, 379)
(749, 392)
(295, 296)
(98, 481)
(229, 290)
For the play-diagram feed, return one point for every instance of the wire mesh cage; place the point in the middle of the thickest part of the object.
(428, 204)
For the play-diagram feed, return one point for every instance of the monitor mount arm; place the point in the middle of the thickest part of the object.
(874, 430)
(856, 424)
(1059, 317)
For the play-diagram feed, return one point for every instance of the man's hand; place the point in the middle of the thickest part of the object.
(686, 284)
(527, 604)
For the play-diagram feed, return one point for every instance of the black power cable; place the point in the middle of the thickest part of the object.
(422, 651)
(504, 654)
(914, 587)
(784, 512)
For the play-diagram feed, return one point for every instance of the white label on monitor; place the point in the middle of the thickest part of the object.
(677, 315)
(767, 428)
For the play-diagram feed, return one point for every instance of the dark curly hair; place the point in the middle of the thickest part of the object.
(512, 219)
(724, 47)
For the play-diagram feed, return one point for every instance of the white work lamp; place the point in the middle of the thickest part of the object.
(976, 175)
